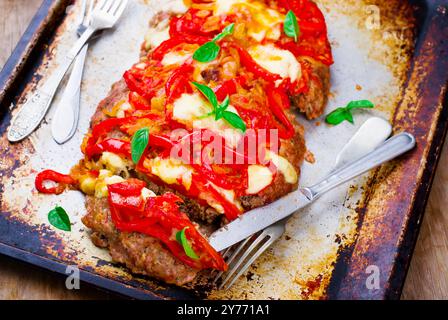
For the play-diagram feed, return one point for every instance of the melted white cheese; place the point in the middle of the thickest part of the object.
(121, 112)
(190, 108)
(113, 162)
(146, 193)
(173, 6)
(265, 22)
(283, 166)
(225, 6)
(259, 177)
(113, 180)
(175, 58)
(229, 195)
(105, 178)
(155, 36)
(277, 61)
(170, 171)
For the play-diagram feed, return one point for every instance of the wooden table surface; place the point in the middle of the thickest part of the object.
(427, 277)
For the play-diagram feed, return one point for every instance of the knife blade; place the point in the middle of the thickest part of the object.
(258, 219)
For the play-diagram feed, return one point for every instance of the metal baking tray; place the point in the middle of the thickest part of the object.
(391, 52)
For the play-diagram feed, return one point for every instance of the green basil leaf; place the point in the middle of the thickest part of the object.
(210, 50)
(208, 93)
(222, 107)
(291, 26)
(360, 104)
(225, 104)
(349, 117)
(207, 52)
(227, 31)
(218, 114)
(235, 120)
(59, 219)
(182, 239)
(139, 143)
(338, 116)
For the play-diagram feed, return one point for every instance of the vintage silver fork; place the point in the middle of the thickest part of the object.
(65, 119)
(28, 118)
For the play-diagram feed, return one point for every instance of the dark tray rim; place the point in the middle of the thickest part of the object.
(19, 61)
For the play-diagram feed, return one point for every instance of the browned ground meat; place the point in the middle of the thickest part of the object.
(140, 253)
(314, 101)
(118, 92)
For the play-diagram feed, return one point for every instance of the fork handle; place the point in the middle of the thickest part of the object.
(35, 108)
(392, 148)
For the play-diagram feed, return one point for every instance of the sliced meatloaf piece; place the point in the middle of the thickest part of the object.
(142, 254)
(146, 255)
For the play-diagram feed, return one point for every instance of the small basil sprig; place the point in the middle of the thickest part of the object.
(220, 109)
(139, 143)
(341, 114)
(182, 239)
(291, 26)
(58, 218)
(210, 50)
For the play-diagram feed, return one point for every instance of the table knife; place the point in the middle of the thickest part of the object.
(258, 219)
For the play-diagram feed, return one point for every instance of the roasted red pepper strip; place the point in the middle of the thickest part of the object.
(168, 45)
(179, 83)
(221, 180)
(174, 218)
(133, 82)
(102, 129)
(278, 101)
(106, 126)
(127, 195)
(251, 65)
(202, 187)
(160, 141)
(145, 86)
(165, 47)
(131, 187)
(116, 146)
(138, 102)
(62, 181)
(122, 147)
(161, 218)
(229, 87)
(191, 24)
(194, 138)
(310, 18)
(93, 147)
(313, 31)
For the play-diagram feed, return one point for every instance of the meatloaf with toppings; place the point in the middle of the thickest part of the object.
(201, 129)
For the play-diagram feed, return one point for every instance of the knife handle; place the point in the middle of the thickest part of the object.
(35, 108)
(392, 148)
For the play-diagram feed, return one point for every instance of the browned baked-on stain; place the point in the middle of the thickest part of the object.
(309, 157)
(311, 287)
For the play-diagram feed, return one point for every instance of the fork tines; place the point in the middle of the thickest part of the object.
(241, 257)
